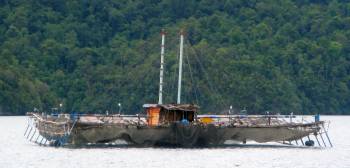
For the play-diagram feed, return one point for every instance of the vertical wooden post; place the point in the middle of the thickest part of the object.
(180, 68)
(160, 100)
(302, 142)
(317, 140)
(327, 135)
(323, 140)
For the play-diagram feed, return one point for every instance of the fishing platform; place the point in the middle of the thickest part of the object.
(173, 125)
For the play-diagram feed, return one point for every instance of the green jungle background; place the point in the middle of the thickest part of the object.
(281, 56)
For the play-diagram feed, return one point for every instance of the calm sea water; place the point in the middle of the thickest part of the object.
(17, 152)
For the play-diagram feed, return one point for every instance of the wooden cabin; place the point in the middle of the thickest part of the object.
(158, 114)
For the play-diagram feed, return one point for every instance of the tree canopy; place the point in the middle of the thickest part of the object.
(278, 56)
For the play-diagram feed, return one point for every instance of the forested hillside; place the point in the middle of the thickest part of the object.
(281, 56)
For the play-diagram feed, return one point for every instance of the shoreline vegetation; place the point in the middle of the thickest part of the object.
(277, 56)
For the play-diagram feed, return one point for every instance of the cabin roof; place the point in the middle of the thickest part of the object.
(177, 107)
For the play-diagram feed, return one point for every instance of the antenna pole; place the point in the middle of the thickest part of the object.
(180, 68)
(160, 100)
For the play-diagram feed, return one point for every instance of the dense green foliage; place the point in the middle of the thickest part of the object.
(281, 56)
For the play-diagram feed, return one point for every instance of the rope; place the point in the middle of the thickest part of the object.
(69, 132)
(191, 134)
(189, 139)
(206, 75)
(192, 79)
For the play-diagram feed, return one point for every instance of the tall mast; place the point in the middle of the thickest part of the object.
(180, 68)
(160, 100)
